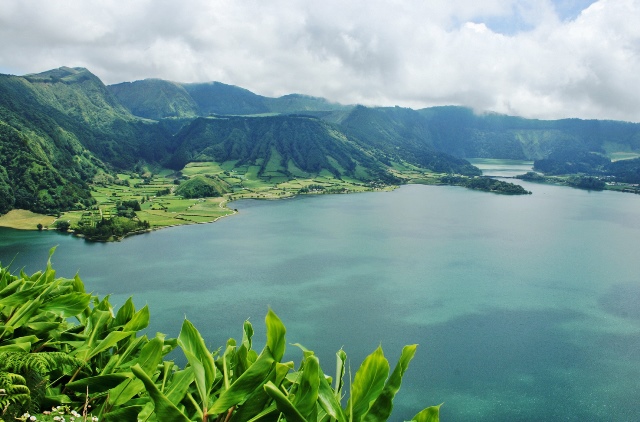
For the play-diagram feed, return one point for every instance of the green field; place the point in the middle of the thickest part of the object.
(25, 220)
(160, 207)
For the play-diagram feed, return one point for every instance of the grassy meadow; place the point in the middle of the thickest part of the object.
(25, 220)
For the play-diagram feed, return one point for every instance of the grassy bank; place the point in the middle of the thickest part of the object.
(25, 220)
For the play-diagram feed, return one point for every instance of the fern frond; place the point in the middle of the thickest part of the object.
(13, 390)
(42, 363)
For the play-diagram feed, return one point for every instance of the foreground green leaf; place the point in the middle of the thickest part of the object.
(284, 405)
(164, 409)
(306, 396)
(368, 384)
(199, 357)
(430, 414)
(253, 378)
(275, 335)
(382, 407)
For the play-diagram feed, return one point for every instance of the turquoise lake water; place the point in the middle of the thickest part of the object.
(524, 307)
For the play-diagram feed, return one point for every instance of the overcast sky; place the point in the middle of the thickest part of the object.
(533, 58)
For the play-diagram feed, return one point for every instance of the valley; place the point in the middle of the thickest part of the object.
(108, 161)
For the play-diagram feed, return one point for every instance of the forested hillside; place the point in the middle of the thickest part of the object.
(291, 146)
(402, 134)
(61, 128)
(58, 129)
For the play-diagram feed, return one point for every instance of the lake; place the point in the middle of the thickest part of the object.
(524, 307)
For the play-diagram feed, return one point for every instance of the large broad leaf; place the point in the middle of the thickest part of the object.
(96, 325)
(98, 384)
(24, 339)
(328, 400)
(164, 409)
(243, 357)
(381, 408)
(67, 305)
(139, 321)
(21, 296)
(18, 347)
(368, 384)
(105, 305)
(430, 414)
(42, 326)
(125, 313)
(123, 393)
(306, 396)
(275, 335)
(23, 314)
(228, 358)
(11, 288)
(254, 404)
(151, 354)
(284, 405)
(199, 358)
(179, 385)
(123, 359)
(253, 378)
(247, 334)
(108, 342)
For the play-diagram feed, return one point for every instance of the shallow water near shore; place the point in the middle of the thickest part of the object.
(524, 307)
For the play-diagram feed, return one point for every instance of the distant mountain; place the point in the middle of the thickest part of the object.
(219, 98)
(158, 99)
(461, 132)
(155, 99)
(298, 103)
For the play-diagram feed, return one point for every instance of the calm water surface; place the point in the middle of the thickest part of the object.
(525, 307)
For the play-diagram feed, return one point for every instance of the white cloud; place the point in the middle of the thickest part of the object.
(527, 57)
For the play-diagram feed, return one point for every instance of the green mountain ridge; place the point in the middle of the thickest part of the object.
(158, 99)
(61, 128)
(155, 99)
(420, 136)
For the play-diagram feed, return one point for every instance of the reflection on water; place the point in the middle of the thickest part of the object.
(524, 308)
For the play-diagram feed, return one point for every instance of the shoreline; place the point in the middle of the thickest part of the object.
(19, 219)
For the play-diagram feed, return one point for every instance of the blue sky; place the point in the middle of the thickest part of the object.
(533, 58)
(518, 19)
